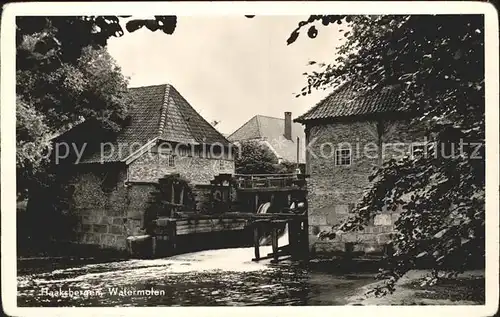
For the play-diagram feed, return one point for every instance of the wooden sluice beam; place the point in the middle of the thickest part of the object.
(285, 249)
(293, 237)
(274, 243)
(169, 228)
(192, 226)
(279, 216)
(256, 243)
(280, 253)
(166, 232)
(258, 226)
(296, 236)
(235, 215)
(271, 189)
(305, 240)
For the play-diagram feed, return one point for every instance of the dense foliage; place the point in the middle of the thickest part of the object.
(438, 61)
(256, 158)
(64, 75)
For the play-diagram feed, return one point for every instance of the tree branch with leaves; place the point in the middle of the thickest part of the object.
(438, 62)
(64, 75)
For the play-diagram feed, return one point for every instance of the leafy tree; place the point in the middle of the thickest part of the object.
(65, 75)
(286, 167)
(438, 61)
(31, 143)
(51, 103)
(255, 158)
(65, 37)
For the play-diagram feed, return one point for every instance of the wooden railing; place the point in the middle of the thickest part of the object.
(267, 180)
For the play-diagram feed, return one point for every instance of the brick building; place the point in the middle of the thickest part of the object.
(348, 135)
(112, 181)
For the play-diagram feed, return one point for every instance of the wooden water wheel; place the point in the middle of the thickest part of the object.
(223, 193)
(173, 194)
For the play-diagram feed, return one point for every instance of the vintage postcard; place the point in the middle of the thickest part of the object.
(194, 158)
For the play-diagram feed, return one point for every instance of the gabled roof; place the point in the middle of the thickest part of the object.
(348, 101)
(271, 130)
(159, 113)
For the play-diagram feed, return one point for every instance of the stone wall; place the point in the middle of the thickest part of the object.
(199, 170)
(110, 199)
(334, 190)
(108, 214)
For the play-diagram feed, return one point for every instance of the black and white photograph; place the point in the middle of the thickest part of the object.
(332, 154)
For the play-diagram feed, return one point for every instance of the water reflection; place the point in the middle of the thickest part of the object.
(207, 278)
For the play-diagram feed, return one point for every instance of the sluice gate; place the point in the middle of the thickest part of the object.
(242, 212)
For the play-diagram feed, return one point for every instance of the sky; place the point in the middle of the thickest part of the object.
(229, 68)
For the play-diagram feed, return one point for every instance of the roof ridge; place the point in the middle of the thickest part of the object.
(336, 89)
(276, 118)
(348, 99)
(258, 127)
(182, 114)
(163, 110)
(202, 118)
(262, 115)
(244, 124)
(146, 86)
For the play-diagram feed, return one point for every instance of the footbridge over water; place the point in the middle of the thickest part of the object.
(244, 210)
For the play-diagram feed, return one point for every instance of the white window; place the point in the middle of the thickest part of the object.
(343, 157)
(170, 159)
(221, 165)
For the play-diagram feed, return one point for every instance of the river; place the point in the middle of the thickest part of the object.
(205, 278)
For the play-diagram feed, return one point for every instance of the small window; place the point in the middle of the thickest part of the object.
(343, 157)
(221, 165)
(170, 160)
(417, 149)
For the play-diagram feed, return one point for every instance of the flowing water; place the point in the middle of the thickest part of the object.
(205, 278)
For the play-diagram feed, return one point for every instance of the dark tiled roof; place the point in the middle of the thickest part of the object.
(272, 129)
(184, 124)
(347, 101)
(250, 130)
(160, 112)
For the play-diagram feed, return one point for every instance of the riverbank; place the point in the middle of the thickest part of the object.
(57, 255)
(466, 289)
